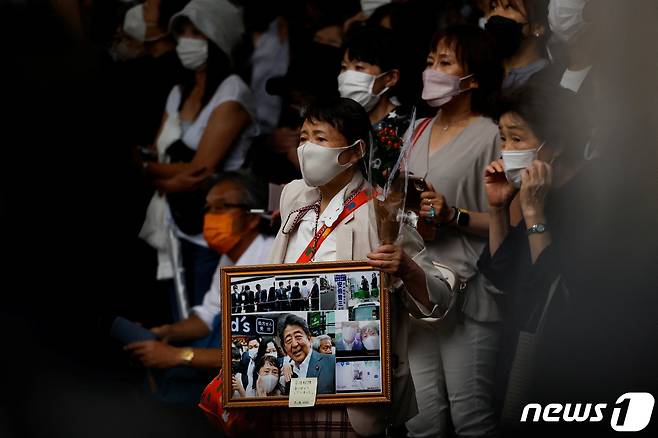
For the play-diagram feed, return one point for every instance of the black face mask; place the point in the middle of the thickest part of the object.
(507, 33)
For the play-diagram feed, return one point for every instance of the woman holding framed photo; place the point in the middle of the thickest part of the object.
(328, 216)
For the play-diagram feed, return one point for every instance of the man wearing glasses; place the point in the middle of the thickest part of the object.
(234, 231)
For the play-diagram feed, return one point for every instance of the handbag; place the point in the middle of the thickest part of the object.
(521, 372)
(187, 208)
(457, 287)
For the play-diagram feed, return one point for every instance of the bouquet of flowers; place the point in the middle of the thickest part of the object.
(388, 154)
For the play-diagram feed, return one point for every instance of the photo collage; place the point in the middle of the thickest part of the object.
(313, 324)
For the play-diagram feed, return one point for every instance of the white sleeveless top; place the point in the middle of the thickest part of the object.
(232, 89)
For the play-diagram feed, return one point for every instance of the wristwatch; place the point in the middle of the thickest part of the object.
(537, 229)
(187, 355)
(463, 217)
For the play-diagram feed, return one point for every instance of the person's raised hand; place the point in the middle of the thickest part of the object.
(260, 389)
(287, 372)
(236, 385)
(500, 192)
(536, 182)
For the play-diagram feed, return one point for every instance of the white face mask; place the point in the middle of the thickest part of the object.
(516, 162)
(371, 342)
(565, 18)
(273, 354)
(358, 86)
(193, 52)
(253, 352)
(268, 382)
(134, 24)
(319, 164)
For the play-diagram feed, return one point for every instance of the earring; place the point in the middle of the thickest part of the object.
(537, 34)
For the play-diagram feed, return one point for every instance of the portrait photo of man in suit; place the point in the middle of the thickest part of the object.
(295, 337)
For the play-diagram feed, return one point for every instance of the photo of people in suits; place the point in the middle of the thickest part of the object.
(283, 327)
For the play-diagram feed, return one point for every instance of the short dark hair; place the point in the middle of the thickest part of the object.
(375, 45)
(475, 51)
(552, 112)
(344, 114)
(292, 319)
(261, 363)
(303, 281)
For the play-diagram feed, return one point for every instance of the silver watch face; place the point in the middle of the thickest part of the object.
(537, 228)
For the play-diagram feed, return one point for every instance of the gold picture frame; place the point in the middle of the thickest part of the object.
(356, 320)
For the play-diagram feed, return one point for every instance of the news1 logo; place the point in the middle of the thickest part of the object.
(631, 412)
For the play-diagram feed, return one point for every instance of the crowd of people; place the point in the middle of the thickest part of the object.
(225, 100)
(495, 126)
(291, 297)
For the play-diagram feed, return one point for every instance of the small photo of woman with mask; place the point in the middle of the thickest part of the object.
(370, 335)
(265, 380)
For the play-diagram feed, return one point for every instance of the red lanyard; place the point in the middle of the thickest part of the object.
(349, 207)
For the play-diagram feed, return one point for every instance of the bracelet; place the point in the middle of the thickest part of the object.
(454, 217)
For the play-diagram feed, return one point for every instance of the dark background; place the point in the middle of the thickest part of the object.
(66, 196)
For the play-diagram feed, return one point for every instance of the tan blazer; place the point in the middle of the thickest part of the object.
(356, 236)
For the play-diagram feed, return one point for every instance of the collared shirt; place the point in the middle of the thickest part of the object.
(573, 79)
(257, 253)
(300, 239)
(303, 368)
(520, 75)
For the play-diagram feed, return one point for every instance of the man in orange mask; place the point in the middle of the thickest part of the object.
(230, 229)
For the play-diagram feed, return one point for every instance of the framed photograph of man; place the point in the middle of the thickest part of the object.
(327, 321)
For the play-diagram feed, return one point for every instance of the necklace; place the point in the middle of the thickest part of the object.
(447, 126)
